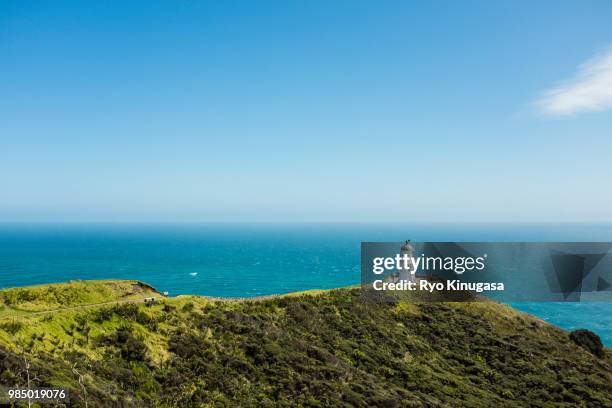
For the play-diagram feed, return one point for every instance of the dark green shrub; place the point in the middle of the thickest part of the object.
(127, 311)
(588, 341)
(131, 348)
(11, 327)
(81, 320)
(187, 344)
(102, 315)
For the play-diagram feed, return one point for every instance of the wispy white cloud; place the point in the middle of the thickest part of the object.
(589, 90)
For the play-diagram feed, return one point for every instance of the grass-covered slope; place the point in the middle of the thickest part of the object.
(43, 298)
(325, 349)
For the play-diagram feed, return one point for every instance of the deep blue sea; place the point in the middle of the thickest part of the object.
(253, 260)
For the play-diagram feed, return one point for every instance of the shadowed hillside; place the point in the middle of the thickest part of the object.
(320, 349)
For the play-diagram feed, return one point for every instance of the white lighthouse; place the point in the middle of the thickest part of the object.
(410, 273)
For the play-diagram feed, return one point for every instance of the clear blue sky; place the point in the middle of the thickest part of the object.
(304, 111)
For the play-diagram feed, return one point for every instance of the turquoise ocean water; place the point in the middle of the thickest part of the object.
(253, 260)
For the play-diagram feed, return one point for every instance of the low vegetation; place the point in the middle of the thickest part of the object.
(335, 348)
(19, 301)
(588, 341)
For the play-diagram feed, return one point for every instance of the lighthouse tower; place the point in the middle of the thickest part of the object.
(407, 274)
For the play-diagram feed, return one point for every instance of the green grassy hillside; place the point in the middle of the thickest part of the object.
(334, 348)
(43, 298)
